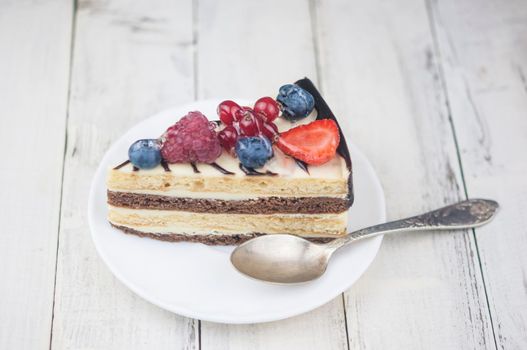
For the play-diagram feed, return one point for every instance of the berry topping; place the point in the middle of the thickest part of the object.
(296, 102)
(269, 130)
(254, 152)
(145, 154)
(228, 137)
(314, 143)
(192, 139)
(248, 124)
(226, 111)
(268, 107)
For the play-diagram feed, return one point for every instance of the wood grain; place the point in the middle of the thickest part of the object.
(249, 49)
(130, 60)
(379, 69)
(484, 50)
(34, 64)
(409, 80)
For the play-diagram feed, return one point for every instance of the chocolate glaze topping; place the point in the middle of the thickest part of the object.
(122, 164)
(253, 172)
(323, 112)
(194, 167)
(221, 169)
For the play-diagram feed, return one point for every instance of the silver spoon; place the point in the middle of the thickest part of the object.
(283, 258)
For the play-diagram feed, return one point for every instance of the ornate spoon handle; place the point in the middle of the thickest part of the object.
(462, 215)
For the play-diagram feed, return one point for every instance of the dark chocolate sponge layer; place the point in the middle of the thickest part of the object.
(264, 205)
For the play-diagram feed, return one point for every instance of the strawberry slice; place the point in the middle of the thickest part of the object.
(314, 143)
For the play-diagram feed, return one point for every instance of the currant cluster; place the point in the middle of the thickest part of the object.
(247, 122)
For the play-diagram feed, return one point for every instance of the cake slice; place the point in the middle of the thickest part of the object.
(303, 186)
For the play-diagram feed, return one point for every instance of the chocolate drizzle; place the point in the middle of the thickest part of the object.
(165, 166)
(252, 172)
(302, 165)
(122, 164)
(194, 167)
(221, 169)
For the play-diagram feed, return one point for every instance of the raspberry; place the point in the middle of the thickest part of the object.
(192, 139)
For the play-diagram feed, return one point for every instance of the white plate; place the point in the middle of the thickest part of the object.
(198, 281)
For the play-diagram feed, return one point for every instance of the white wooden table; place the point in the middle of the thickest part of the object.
(434, 92)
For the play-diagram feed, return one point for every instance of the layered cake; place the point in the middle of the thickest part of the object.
(281, 166)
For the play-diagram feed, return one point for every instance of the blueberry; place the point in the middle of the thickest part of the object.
(254, 151)
(145, 154)
(297, 103)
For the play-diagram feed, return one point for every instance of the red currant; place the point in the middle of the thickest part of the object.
(226, 111)
(240, 113)
(248, 124)
(228, 137)
(270, 130)
(268, 107)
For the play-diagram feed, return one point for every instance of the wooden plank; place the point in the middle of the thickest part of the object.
(130, 60)
(249, 49)
(485, 68)
(380, 71)
(322, 328)
(34, 64)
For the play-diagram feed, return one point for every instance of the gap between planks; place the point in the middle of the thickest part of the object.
(70, 70)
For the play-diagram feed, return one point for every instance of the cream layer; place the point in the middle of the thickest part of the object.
(170, 221)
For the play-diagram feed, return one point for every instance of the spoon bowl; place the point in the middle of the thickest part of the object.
(281, 258)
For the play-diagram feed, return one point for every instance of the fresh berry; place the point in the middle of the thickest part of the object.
(192, 139)
(248, 124)
(254, 152)
(228, 137)
(314, 143)
(269, 130)
(145, 154)
(226, 111)
(268, 107)
(296, 102)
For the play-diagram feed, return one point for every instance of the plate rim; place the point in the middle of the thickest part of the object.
(187, 312)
